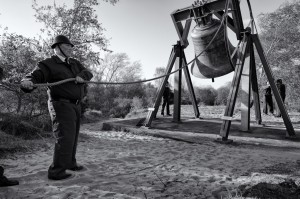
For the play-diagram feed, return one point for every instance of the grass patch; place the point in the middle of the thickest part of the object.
(10, 144)
(26, 128)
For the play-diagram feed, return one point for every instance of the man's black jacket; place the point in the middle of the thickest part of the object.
(53, 69)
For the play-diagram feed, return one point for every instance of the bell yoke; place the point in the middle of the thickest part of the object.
(63, 103)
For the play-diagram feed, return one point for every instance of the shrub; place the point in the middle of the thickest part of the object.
(185, 97)
(121, 107)
(42, 122)
(222, 95)
(23, 127)
(206, 96)
(136, 104)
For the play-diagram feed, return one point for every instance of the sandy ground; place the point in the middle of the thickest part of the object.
(122, 165)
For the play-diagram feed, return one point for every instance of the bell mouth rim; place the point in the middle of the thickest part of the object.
(211, 73)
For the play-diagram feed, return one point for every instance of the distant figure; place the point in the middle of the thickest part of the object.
(166, 99)
(281, 89)
(268, 101)
(1, 74)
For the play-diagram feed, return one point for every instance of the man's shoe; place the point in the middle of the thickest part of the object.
(4, 182)
(77, 168)
(169, 115)
(60, 177)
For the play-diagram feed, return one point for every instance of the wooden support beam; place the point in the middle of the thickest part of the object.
(230, 22)
(177, 86)
(182, 32)
(267, 69)
(237, 18)
(224, 132)
(153, 111)
(185, 33)
(190, 86)
(245, 89)
(179, 30)
(254, 84)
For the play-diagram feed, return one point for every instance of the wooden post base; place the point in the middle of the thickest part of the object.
(224, 141)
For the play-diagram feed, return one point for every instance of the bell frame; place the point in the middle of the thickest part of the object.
(245, 68)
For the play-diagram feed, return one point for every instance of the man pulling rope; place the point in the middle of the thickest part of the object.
(63, 103)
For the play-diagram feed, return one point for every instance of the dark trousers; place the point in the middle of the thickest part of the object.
(1, 171)
(268, 104)
(278, 113)
(165, 102)
(65, 118)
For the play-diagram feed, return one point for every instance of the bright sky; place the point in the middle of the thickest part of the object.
(141, 28)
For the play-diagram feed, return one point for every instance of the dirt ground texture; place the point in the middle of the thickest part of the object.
(122, 165)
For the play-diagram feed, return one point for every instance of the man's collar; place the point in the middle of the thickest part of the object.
(57, 59)
(61, 57)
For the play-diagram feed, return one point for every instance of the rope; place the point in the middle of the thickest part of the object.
(134, 82)
(226, 38)
(45, 84)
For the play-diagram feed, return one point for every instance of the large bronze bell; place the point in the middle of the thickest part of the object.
(214, 61)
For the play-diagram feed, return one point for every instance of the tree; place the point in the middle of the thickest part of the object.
(116, 67)
(206, 96)
(18, 56)
(80, 24)
(150, 94)
(222, 94)
(159, 71)
(281, 39)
